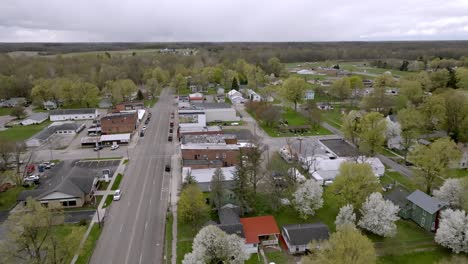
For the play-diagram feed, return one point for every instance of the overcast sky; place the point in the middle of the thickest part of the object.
(231, 20)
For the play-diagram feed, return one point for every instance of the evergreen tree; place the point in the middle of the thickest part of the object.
(235, 84)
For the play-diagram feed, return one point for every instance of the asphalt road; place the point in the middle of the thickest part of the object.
(134, 227)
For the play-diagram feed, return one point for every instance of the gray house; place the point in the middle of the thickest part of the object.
(425, 210)
(297, 236)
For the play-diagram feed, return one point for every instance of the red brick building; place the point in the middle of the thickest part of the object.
(125, 106)
(117, 123)
(211, 151)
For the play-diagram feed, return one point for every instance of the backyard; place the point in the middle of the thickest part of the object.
(292, 118)
(8, 198)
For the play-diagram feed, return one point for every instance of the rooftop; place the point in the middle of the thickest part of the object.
(73, 111)
(398, 196)
(205, 175)
(201, 129)
(258, 226)
(214, 139)
(302, 234)
(426, 202)
(38, 116)
(119, 115)
(340, 147)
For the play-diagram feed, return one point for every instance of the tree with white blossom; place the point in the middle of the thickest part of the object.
(450, 192)
(212, 245)
(346, 216)
(379, 216)
(453, 230)
(308, 198)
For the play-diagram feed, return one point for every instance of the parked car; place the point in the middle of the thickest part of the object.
(144, 127)
(142, 133)
(169, 138)
(170, 130)
(98, 148)
(114, 147)
(31, 180)
(117, 195)
(167, 168)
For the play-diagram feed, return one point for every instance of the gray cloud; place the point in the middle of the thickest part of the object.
(231, 20)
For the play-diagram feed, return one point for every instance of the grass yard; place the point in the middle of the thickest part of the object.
(391, 176)
(254, 259)
(117, 181)
(294, 119)
(108, 201)
(103, 185)
(63, 231)
(457, 173)
(168, 242)
(8, 198)
(21, 133)
(333, 117)
(88, 248)
(425, 257)
(278, 257)
(185, 235)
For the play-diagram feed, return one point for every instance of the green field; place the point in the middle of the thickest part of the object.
(5, 111)
(21, 133)
(425, 257)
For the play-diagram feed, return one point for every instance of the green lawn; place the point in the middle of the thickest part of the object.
(457, 173)
(5, 111)
(168, 245)
(294, 119)
(8, 198)
(425, 257)
(20, 133)
(185, 235)
(63, 231)
(108, 201)
(278, 257)
(117, 181)
(333, 117)
(103, 185)
(88, 248)
(254, 259)
(391, 176)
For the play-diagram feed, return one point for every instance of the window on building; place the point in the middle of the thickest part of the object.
(45, 204)
(224, 155)
(71, 203)
(217, 155)
(65, 203)
(423, 221)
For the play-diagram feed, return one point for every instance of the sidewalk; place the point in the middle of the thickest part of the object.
(176, 182)
(100, 212)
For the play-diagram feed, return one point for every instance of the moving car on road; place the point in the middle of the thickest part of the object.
(168, 168)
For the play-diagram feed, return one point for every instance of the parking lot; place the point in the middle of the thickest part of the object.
(99, 165)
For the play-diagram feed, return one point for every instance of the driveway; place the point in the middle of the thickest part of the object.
(72, 217)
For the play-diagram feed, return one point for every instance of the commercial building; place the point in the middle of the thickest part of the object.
(73, 114)
(34, 119)
(207, 130)
(130, 106)
(62, 128)
(214, 112)
(211, 151)
(116, 123)
(203, 177)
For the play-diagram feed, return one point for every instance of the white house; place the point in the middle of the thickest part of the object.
(235, 97)
(34, 119)
(306, 72)
(49, 105)
(322, 168)
(309, 95)
(73, 114)
(253, 96)
(204, 176)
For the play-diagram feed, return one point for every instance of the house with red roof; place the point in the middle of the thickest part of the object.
(260, 230)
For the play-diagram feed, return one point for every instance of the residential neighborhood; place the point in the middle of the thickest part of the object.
(225, 137)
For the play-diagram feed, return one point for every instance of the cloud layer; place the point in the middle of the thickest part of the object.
(231, 20)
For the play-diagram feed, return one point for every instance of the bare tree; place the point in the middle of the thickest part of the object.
(19, 148)
(254, 162)
(6, 152)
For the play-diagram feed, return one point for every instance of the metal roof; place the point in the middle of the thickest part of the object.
(426, 202)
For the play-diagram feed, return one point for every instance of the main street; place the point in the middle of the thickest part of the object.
(134, 227)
